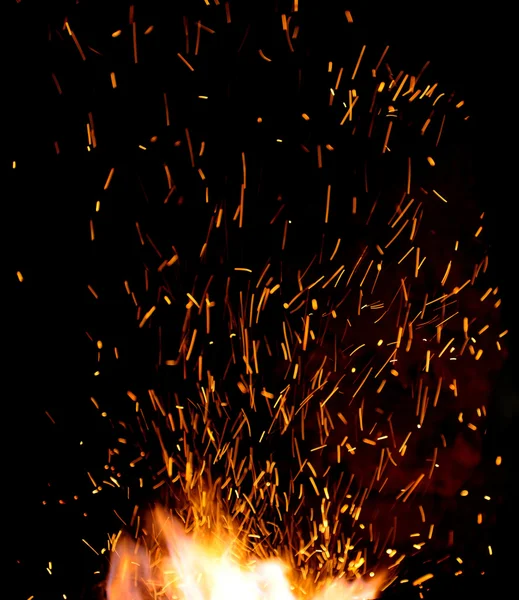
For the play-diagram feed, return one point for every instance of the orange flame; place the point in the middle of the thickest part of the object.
(181, 566)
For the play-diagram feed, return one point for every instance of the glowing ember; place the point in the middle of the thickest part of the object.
(205, 566)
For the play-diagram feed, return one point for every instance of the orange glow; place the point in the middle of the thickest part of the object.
(210, 563)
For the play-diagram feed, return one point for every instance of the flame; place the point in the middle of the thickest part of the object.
(199, 566)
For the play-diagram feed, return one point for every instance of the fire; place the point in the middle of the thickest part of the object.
(199, 566)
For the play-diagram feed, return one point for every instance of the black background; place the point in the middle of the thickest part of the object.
(47, 204)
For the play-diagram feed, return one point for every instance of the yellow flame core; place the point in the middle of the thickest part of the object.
(182, 566)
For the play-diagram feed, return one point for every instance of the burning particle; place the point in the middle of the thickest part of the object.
(423, 579)
(147, 316)
(188, 65)
(109, 178)
(439, 196)
(260, 52)
(91, 548)
(358, 62)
